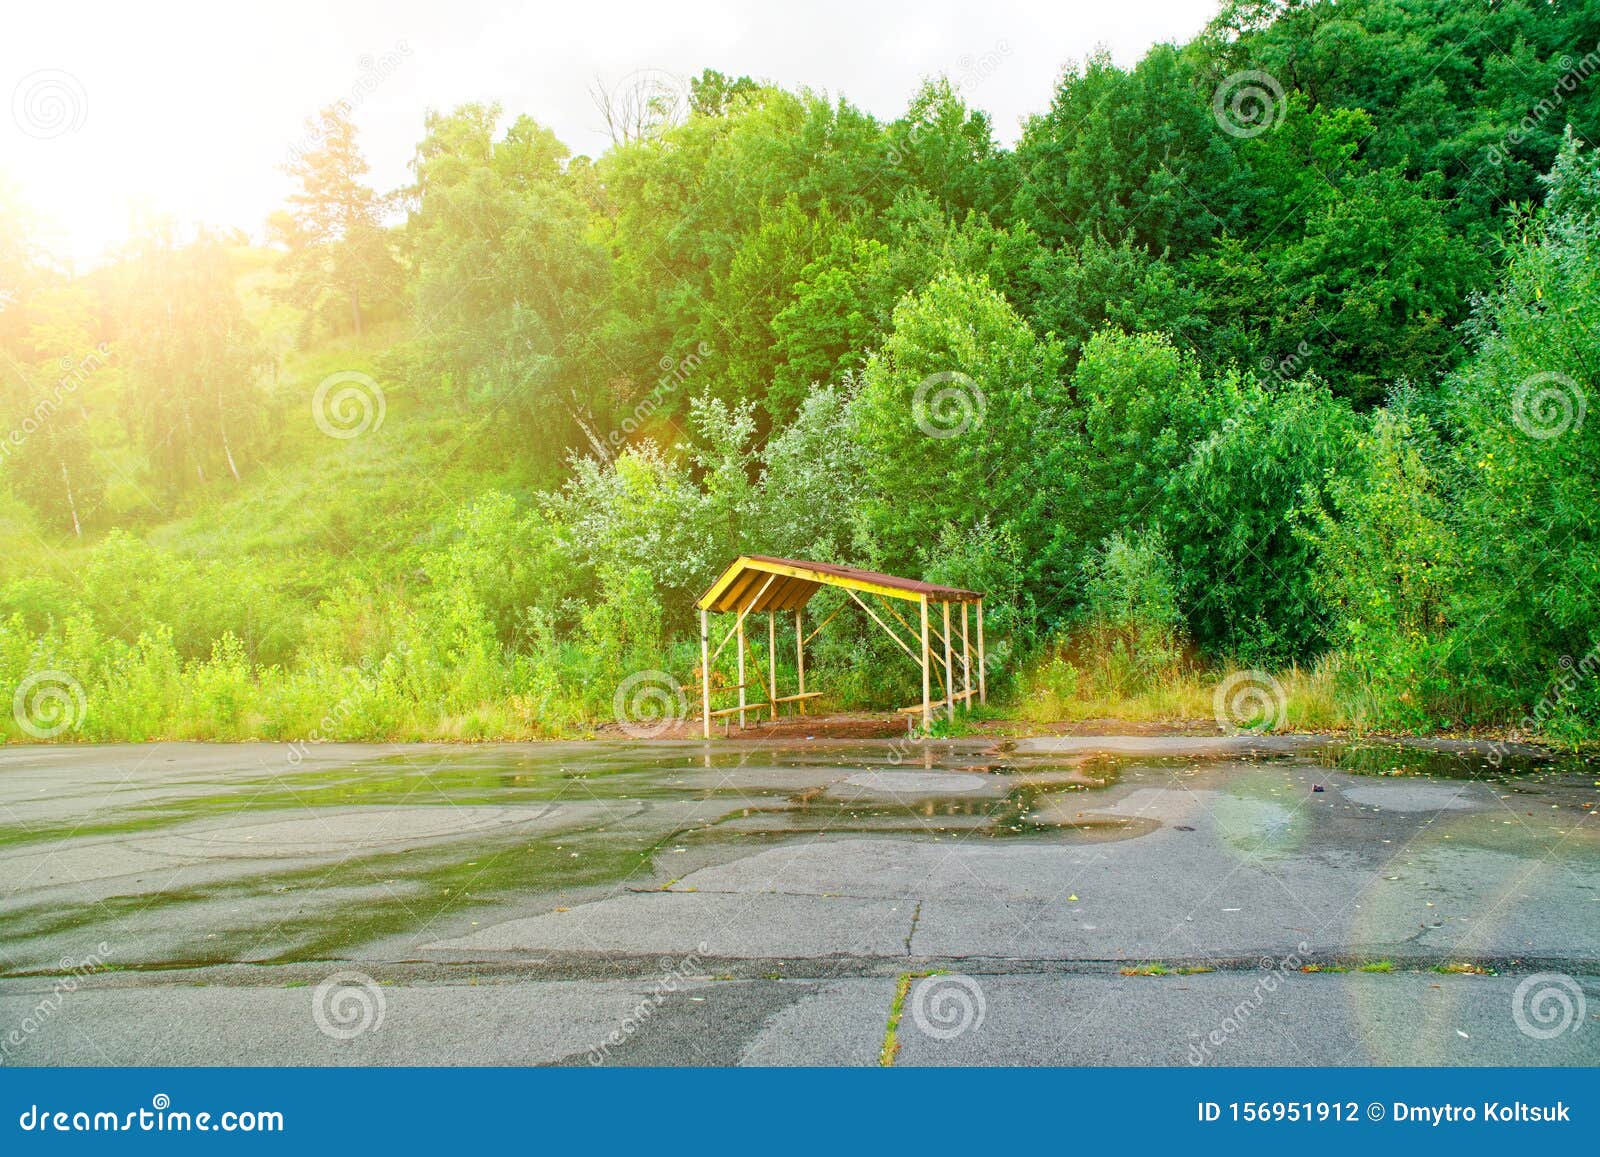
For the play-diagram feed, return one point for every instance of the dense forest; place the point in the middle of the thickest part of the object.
(1270, 354)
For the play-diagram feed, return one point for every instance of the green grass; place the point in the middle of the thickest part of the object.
(891, 1033)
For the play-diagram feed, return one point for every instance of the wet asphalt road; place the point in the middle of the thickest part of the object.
(1072, 901)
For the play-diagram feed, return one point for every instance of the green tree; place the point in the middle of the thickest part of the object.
(1387, 567)
(1231, 518)
(1143, 406)
(339, 259)
(1076, 290)
(192, 383)
(508, 279)
(1134, 155)
(963, 418)
(45, 386)
(1529, 446)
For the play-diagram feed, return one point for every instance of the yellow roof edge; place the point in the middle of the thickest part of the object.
(823, 578)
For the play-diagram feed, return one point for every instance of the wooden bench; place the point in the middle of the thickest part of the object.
(935, 704)
(757, 706)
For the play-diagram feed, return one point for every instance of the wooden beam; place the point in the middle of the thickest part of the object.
(800, 698)
(983, 691)
(755, 708)
(744, 564)
(959, 696)
(739, 627)
(927, 711)
(886, 629)
(724, 581)
(772, 661)
(817, 630)
(785, 590)
(705, 672)
(944, 680)
(949, 687)
(800, 653)
(966, 660)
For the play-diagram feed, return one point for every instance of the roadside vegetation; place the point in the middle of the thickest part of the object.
(1268, 408)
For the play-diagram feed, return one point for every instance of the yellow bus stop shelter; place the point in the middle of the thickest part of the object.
(758, 584)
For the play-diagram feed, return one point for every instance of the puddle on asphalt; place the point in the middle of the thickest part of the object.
(685, 807)
(1396, 759)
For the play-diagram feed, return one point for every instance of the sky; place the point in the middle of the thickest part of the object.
(190, 109)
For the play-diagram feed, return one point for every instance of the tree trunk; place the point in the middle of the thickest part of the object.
(72, 502)
(355, 309)
(190, 447)
(227, 450)
(601, 449)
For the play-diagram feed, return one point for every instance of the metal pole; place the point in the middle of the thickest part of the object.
(741, 672)
(705, 672)
(966, 661)
(772, 666)
(949, 667)
(927, 709)
(983, 689)
(800, 655)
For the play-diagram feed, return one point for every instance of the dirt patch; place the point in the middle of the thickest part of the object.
(1013, 727)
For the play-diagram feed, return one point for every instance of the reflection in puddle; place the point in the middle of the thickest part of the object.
(635, 815)
(1402, 758)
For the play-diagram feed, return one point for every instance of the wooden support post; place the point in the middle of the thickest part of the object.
(949, 671)
(966, 661)
(800, 654)
(705, 672)
(927, 661)
(983, 688)
(741, 672)
(772, 666)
